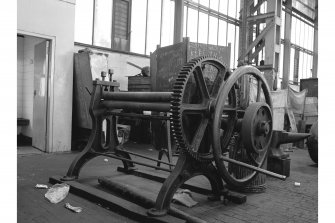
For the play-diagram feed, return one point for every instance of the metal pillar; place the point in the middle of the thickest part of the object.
(315, 45)
(287, 46)
(268, 38)
(178, 21)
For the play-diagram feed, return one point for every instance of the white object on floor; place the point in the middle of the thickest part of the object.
(184, 197)
(41, 186)
(297, 184)
(72, 208)
(57, 193)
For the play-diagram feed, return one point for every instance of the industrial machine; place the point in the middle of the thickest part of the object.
(206, 119)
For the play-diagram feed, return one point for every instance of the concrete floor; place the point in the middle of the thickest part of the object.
(282, 202)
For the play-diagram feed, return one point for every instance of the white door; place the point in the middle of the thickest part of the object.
(41, 70)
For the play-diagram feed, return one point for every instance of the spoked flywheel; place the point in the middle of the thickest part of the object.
(194, 94)
(253, 125)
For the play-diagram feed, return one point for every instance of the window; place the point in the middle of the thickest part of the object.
(103, 23)
(213, 22)
(83, 21)
(121, 25)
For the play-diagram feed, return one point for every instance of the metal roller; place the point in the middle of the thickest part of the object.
(137, 96)
(136, 106)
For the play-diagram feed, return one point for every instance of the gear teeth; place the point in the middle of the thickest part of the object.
(178, 91)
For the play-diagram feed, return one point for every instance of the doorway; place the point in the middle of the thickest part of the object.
(33, 74)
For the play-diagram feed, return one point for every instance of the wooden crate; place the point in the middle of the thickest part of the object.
(139, 83)
(166, 62)
(311, 84)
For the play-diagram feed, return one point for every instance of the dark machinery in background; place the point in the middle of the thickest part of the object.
(207, 119)
(312, 142)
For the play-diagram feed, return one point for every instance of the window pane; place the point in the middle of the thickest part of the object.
(232, 8)
(223, 6)
(222, 33)
(280, 74)
(293, 30)
(138, 17)
(192, 24)
(303, 35)
(291, 64)
(214, 4)
(203, 28)
(83, 21)
(213, 30)
(236, 47)
(103, 23)
(231, 40)
(204, 2)
(154, 19)
(310, 36)
(168, 23)
(282, 31)
(185, 21)
(312, 39)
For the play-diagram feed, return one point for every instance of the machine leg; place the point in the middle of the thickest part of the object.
(186, 168)
(77, 164)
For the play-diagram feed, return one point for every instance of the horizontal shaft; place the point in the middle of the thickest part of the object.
(137, 106)
(137, 96)
(260, 170)
(145, 157)
(132, 161)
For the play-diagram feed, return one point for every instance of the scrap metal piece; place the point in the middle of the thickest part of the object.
(72, 208)
(41, 186)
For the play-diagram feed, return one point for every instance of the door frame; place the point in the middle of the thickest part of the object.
(50, 85)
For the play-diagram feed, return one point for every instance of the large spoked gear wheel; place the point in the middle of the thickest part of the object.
(194, 93)
(254, 125)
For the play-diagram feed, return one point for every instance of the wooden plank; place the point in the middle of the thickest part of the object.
(115, 203)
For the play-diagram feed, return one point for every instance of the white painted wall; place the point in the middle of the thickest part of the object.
(54, 19)
(118, 62)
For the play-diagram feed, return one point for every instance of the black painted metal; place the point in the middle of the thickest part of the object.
(136, 106)
(255, 168)
(146, 157)
(185, 169)
(137, 197)
(221, 107)
(138, 96)
(215, 105)
(131, 161)
(257, 131)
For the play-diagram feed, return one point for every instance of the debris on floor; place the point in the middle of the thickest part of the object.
(57, 193)
(297, 184)
(106, 160)
(72, 208)
(41, 186)
(184, 197)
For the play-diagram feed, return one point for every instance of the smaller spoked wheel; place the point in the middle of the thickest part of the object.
(257, 131)
(249, 120)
